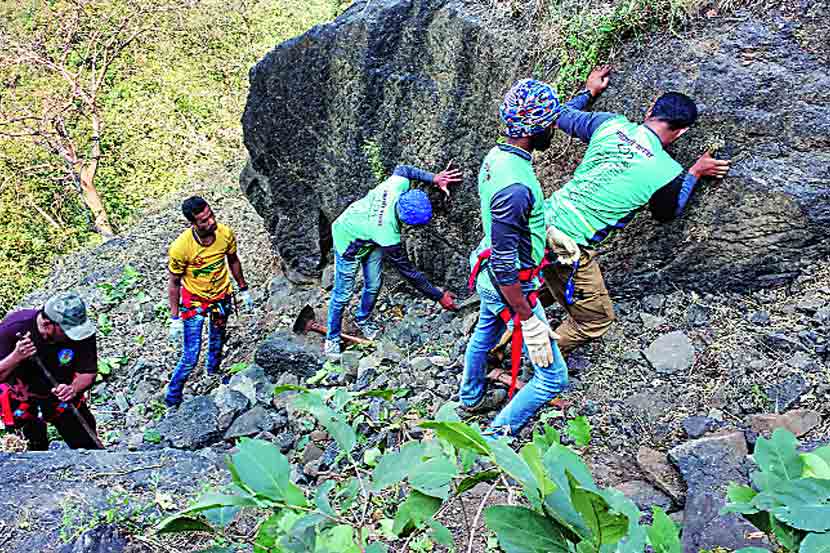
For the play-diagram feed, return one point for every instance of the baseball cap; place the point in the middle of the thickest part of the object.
(68, 311)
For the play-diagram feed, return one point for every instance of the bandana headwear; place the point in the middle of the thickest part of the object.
(529, 108)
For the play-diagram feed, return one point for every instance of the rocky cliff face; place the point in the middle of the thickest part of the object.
(423, 79)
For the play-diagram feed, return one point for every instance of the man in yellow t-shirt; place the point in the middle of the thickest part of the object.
(199, 288)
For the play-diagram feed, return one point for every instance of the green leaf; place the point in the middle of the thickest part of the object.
(579, 430)
(289, 388)
(268, 534)
(663, 534)
(433, 477)
(788, 537)
(212, 500)
(532, 455)
(179, 523)
(513, 464)
(152, 436)
(376, 548)
(237, 367)
(370, 456)
(388, 393)
(751, 550)
(395, 466)
(334, 422)
(813, 518)
(740, 498)
(815, 543)
(221, 516)
(815, 466)
(441, 533)
(778, 455)
(606, 527)
(339, 539)
(321, 498)
(447, 412)
(459, 434)
(521, 530)
(348, 493)
(472, 481)
(263, 469)
(559, 459)
(558, 506)
(417, 509)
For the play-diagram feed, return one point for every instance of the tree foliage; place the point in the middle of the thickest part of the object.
(168, 106)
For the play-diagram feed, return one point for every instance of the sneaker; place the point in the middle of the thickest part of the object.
(331, 349)
(369, 329)
(491, 400)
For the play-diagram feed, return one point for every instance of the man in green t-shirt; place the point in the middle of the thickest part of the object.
(625, 168)
(369, 230)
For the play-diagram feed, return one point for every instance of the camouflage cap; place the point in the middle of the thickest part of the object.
(68, 311)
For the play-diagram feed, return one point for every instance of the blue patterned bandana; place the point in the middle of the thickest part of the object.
(529, 107)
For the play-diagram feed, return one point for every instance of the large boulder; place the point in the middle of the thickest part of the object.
(422, 80)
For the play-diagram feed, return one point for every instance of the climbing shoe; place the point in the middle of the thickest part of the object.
(369, 329)
(332, 350)
(491, 400)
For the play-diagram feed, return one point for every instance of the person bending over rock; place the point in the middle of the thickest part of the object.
(199, 288)
(506, 264)
(369, 230)
(625, 167)
(59, 338)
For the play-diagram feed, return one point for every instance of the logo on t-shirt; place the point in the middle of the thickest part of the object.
(65, 356)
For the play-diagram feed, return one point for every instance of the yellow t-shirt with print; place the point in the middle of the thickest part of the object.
(203, 268)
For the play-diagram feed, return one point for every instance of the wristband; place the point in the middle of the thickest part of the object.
(172, 318)
(243, 288)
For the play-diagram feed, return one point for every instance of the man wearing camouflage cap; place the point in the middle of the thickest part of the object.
(62, 338)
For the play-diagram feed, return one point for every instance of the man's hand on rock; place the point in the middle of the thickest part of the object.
(64, 392)
(598, 80)
(707, 166)
(24, 349)
(447, 177)
(447, 301)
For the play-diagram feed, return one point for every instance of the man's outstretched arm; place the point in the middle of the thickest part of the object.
(670, 201)
(579, 123)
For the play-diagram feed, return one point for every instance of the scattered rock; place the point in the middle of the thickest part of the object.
(285, 352)
(656, 467)
(810, 304)
(420, 364)
(389, 351)
(311, 453)
(671, 353)
(708, 465)
(651, 322)
(697, 426)
(654, 302)
(798, 421)
(787, 392)
(230, 404)
(350, 361)
(101, 539)
(760, 318)
(645, 495)
(803, 362)
(698, 315)
(245, 386)
(285, 441)
(651, 404)
(254, 421)
(194, 425)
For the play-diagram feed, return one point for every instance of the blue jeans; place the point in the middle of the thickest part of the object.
(345, 271)
(546, 383)
(191, 347)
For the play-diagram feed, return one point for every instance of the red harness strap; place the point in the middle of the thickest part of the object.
(525, 275)
(6, 405)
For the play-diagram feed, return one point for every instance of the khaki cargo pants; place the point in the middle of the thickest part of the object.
(591, 314)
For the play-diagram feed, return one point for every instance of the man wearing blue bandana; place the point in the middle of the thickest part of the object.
(506, 264)
(62, 337)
